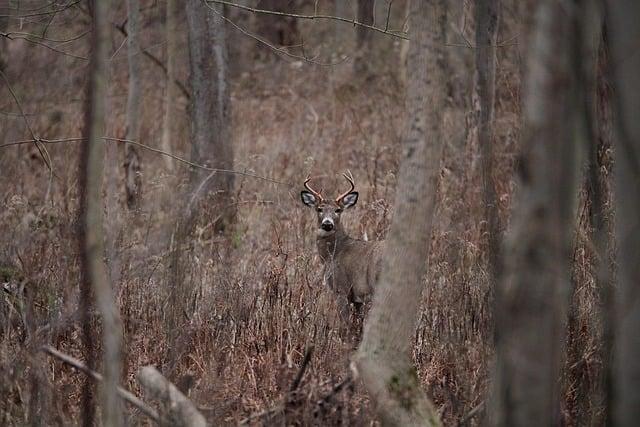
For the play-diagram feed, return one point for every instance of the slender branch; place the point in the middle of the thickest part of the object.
(36, 139)
(152, 149)
(124, 394)
(51, 12)
(354, 22)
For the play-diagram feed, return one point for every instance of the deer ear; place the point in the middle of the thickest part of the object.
(349, 200)
(308, 198)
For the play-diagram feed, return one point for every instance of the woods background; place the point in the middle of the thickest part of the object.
(194, 254)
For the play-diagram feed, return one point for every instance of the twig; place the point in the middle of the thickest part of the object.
(124, 394)
(36, 139)
(353, 22)
(303, 368)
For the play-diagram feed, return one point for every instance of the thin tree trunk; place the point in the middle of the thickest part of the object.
(132, 158)
(384, 357)
(581, 406)
(171, 92)
(91, 171)
(531, 296)
(210, 106)
(624, 16)
(487, 14)
(364, 38)
(600, 196)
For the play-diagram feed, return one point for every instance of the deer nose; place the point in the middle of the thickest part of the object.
(327, 225)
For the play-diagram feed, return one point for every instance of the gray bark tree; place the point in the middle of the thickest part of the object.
(384, 357)
(171, 92)
(532, 293)
(133, 180)
(92, 246)
(210, 106)
(624, 16)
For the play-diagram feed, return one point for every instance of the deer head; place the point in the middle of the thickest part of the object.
(329, 211)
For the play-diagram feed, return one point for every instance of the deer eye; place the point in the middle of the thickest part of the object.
(339, 210)
(318, 210)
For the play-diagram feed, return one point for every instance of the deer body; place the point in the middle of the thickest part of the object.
(351, 266)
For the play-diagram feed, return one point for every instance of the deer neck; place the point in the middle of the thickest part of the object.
(330, 246)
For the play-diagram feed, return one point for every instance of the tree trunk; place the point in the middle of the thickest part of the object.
(364, 38)
(170, 95)
(487, 14)
(384, 356)
(623, 27)
(91, 170)
(210, 110)
(132, 158)
(531, 296)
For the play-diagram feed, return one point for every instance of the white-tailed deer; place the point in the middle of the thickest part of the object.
(351, 266)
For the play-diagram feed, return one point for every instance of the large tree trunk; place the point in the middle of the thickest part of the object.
(170, 95)
(623, 26)
(91, 170)
(210, 110)
(384, 357)
(132, 158)
(532, 294)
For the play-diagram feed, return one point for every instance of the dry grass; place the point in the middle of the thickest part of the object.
(257, 304)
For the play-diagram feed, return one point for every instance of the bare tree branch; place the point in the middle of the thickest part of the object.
(152, 149)
(354, 22)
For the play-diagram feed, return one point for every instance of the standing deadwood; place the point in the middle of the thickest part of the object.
(531, 295)
(91, 170)
(364, 38)
(171, 92)
(624, 16)
(210, 105)
(384, 357)
(487, 14)
(132, 158)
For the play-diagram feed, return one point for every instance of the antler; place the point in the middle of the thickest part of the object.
(350, 179)
(311, 190)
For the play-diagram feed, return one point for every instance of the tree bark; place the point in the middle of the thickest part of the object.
(210, 107)
(170, 95)
(384, 356)
(487, 15)
(133, 180)
(91, 171)
(624, 16)
(364, 38)
(531, 296)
